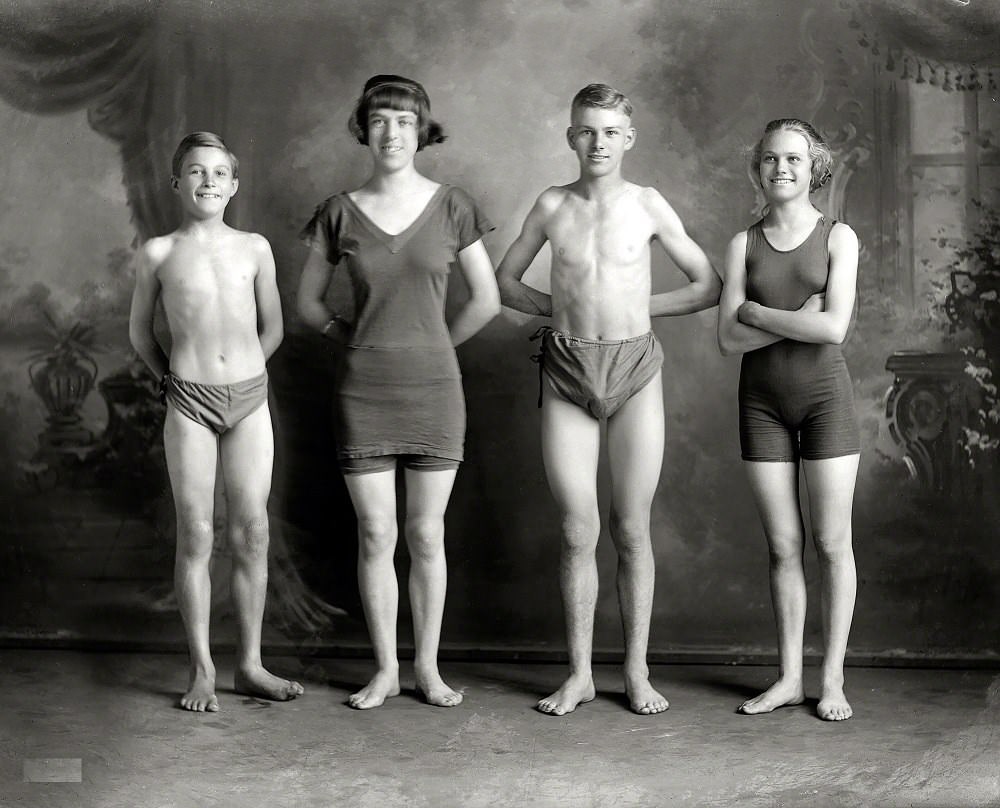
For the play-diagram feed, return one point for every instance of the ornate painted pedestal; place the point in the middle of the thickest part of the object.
(926, 407)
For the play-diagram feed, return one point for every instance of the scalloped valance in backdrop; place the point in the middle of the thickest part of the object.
(954, 44)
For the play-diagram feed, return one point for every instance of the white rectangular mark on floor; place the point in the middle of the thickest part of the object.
(53, 770)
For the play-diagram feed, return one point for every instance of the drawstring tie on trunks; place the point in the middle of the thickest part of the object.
(539, 358)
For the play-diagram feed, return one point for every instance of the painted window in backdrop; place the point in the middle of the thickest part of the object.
(942, 156)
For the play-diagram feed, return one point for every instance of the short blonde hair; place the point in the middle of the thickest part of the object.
(602, 96)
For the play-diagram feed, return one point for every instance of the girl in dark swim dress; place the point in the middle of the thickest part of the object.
(399, 394)
(786, 306)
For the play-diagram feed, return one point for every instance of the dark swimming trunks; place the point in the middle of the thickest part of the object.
(796, 398)
(216, 406)
(598, 375)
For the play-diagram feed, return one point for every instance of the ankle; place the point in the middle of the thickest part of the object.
(636, 671)
(833, 680)
(204, 670)
(388, 668)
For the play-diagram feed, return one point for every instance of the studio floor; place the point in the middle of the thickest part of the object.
(107, 725)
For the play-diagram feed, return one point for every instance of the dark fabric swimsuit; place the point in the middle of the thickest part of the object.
(796, 398)
(399, 390)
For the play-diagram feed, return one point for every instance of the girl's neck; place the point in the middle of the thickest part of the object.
(397, 183)
(791, 214)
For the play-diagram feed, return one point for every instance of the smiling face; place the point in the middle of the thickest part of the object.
(785, 165)
(393, 137)
(205, 182)
(600, 137)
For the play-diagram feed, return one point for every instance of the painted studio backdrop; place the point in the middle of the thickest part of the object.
(95, 96)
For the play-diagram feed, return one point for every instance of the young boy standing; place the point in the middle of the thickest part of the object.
(601, 361)
(218, 290)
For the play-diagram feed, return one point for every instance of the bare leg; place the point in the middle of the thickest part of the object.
(776, 490)
(831, 500)
(247, 452)
(192, 452)
(374, 498)
(427, 494)
(635, 451)
(570, 448)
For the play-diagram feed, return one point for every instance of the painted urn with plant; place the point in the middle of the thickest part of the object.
(62, 372)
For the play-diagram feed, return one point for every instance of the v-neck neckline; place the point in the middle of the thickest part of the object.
(396, 241)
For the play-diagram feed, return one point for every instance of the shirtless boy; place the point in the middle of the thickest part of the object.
(218, 290)
(601, 361)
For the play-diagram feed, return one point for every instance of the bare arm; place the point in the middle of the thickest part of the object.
(270, 327)
(831, 324)
(309, 300)
(702, 291)
(513, 293)
(140, 321)
(736, 337)
(484, 299)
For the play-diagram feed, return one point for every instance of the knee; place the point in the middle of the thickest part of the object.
(248, 538)
(785, 552)
(630, 534)
(834, 547)
(376, 535)
(424, 537)
(195, 537)
(579, 534)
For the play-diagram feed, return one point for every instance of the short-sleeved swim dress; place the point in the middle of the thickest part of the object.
(399, 387)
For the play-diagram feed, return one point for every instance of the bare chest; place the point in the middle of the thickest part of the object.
(208, 271)
(589, 237)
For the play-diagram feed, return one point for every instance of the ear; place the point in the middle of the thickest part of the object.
(630, 135)
(174, 182)
(571, 137)
(236, 186)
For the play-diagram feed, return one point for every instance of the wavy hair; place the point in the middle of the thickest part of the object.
(820, 155)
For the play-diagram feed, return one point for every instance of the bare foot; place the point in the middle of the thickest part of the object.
(643, 698)
(833, 704)
(576, 690)
(200, 696)
(782, 693)
(259, 682)
(432, 688)
(383, 685)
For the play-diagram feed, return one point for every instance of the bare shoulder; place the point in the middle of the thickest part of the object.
(665, 220)
(553, 197)
(258, 243)
(158, 248)
(653, 201)
(843, 237)
(155, 251)
(738, 242)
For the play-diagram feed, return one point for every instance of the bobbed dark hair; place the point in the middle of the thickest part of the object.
(388, 91)
(197, 140)
(820, 155)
